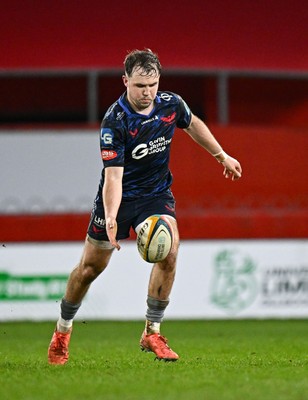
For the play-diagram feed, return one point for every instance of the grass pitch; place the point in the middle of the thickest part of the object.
(220, 360)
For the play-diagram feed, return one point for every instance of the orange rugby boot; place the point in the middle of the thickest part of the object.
(158, 345)
(58, 348)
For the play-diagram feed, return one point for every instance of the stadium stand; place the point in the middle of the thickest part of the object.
(63, 64)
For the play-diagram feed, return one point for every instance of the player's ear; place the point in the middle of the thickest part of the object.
(125, 80)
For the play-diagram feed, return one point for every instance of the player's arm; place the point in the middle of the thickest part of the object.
(112, 196)
(201, 134)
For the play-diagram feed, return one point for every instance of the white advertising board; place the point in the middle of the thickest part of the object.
(215, 280)
(45, 171)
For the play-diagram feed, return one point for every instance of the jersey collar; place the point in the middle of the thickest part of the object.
(123, 102)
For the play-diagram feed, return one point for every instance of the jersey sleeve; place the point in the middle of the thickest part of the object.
(184, 116)
(112, 144)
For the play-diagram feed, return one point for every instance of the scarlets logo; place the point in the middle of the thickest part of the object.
(108, 154)
(168, 119)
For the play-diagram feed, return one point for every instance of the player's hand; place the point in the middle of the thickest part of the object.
(232, 169)
(111, 229)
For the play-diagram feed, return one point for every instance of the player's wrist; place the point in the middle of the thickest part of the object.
(221, 156)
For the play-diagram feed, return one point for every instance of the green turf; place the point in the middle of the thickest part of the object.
(220, 360)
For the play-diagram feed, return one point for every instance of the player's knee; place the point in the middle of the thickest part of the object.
(169, 263)
(175, 232)
(89, 271)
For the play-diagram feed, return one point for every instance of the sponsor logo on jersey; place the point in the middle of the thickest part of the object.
(120, 115)
(98, 224)
(106, 136)
(109, 154)
(166, 96)
(150, 120)
(140, 151)
(169, 119)
(99, 221)
(154, 146)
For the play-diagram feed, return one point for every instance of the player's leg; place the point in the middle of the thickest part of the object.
(163, 273)
(161, 279)
(94, 260)
(160, 285)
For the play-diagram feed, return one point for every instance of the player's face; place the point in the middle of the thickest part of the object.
(141, 90)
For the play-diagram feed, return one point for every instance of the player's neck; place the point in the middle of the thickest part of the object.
(146, 111)
(143, 111)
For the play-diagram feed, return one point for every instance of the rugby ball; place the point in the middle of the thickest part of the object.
(154, 239)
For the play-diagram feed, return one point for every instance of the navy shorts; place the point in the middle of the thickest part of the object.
(130, 215)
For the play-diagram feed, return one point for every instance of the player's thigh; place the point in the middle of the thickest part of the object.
(96, 254)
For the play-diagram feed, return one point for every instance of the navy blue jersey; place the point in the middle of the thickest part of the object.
(141, 143)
